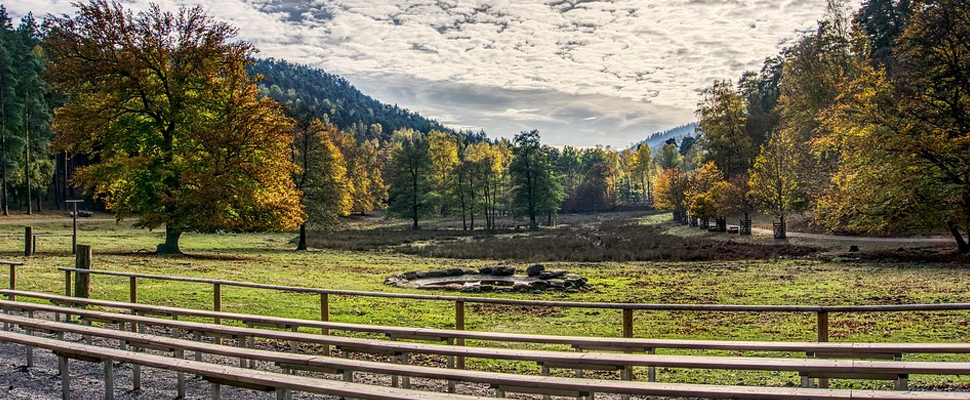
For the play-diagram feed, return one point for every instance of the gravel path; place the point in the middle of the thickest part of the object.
(42, 381)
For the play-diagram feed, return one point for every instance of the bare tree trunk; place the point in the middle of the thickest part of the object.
(171, 245)
(962, 244)
(302, 244)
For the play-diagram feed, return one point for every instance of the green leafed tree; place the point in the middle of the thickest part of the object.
(723, 118)
(162, 103)
(322, 178)
(37, 166)
(905, 138)
(535, 188)
(411, 170)
(776, 177)
(11, 106)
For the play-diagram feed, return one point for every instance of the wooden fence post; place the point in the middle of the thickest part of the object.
(217, 306)
(325, 317)
(460, 325)
(82, 281)
(627, 373)
(28, 241)
(67, 283)
(13, 282)
(628, 322)
(823, 336)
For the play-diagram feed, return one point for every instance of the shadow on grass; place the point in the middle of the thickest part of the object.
(607, 240)
(183, 256)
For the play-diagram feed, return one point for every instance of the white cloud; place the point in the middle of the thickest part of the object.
(641, 54)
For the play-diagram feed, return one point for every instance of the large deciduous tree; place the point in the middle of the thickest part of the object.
(776, 177)
(322, 177)
(162, 103)
(905, 138)
(536, 191)
(723, 118)
(411, 168)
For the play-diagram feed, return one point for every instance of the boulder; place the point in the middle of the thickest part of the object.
(521, 287)
(540, 285)
(557, 283)
(546, 275)
(535, 269)
(438, 273)
(853, 248)
(454, 272)
(410, 275)
(503, 270)
(485, 270)
(472, 288)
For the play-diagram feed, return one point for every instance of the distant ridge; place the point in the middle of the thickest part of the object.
(301, 87)
(657, 139)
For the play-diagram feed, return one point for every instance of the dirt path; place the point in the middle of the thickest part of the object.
(901, 240)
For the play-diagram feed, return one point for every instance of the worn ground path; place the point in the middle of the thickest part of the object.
(901, 240)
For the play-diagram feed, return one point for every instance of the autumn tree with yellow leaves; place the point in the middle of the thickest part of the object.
(163, 104)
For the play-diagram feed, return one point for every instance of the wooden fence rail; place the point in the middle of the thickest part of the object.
(628, 309)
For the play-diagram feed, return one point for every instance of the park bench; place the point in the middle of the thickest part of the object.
(502, 383)
(215, 373)
(807, 368)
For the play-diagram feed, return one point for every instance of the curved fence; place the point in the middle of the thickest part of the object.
(82, 278)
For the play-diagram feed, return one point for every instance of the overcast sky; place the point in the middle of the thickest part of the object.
(582, 72)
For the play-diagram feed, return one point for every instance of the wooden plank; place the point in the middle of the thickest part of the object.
(589, 360)
(304, 367)
(543, 391)
(570, 384)
(244, 385)
(620, 344)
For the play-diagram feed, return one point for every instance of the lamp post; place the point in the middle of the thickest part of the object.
(74, 221)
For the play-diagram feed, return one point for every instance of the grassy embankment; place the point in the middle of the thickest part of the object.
(719, 270)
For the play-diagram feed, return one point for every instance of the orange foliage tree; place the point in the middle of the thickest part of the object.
(162, 103)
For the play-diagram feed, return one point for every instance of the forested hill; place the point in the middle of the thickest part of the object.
(657, 139)
(330, 95)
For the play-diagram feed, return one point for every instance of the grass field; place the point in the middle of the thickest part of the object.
(685, 266)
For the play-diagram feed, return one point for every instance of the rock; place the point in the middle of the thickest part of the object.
(485, 270)
(521, 287)
(853, 248)
(557, 283)
(454, 272)
(546, 275)
(472, 288)
(470, 271)
(575, 281)
(540, 285)
(535, 269)
(503, 270)
(438, 273)
(422, 275)
(410, 275)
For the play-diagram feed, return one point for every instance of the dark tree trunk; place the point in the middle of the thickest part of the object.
(302, 244)
(171, 245)
(962, 244)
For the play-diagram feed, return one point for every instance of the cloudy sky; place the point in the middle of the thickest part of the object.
(583, 72)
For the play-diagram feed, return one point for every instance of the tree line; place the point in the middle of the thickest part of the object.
(176, 130)
(864, 123)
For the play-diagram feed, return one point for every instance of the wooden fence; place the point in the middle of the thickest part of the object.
(628, 309)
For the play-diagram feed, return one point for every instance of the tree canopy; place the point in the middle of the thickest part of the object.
(162, 103)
